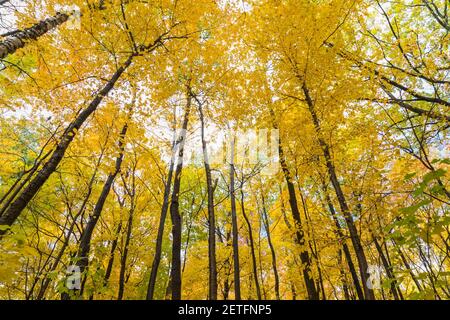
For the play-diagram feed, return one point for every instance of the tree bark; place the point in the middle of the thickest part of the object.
(111, 254)
(16, 207)
(82, 256)
(313, 294)
(211, 215)
(123, 260)
(356, 241)
(236, 266)
(389, 270)
(252, 246)
(14, 42)
(162, 222)
(175, 271)
(272, 248)
(341, 237)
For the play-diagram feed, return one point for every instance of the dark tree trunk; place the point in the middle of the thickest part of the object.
(344, 277)
(19, 183)
(236, 266)
(211, 216)
(111, 254)
(175, 271)
(312, 244)
(388, 268)
(407, 266)
(272, 248)
(313, 294)
(82, 257)
(123, 260)
(345, 247)
(16, 207)
(252, 246)
(46, 282)
(162, 222)
(354, 236)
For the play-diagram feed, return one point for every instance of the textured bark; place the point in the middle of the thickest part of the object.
(17, 206)
(354, 236)
(14, 42)
(236, 266)
(175, 270)
(211, 216)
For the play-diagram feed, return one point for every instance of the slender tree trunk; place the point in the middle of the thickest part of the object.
(111, 254)
(16, 207)
(211, 216)
(17, 187)
(408, 267)
(343, 276)
(389, 270)
(345, 247)
(272, 248)
(313, 294)
(123, 260)
(252, 246)
(312, 243)
(234, 222)
(46, 282)
(226, 266)
(82, 256)
(162, 222)
(175, 271)
(356, 241)
(14, 42)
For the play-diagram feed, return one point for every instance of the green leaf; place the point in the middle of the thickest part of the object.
(4, 227)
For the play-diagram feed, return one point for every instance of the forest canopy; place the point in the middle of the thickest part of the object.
(224, 149)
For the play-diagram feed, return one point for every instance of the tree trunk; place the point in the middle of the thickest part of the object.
(211, 216)
(342, 240)
(162, 222)
(312, 243)
(16, 207)
(236, 266)
(388, 268)
(123, 260)
(343, 277)
(82, 256)
(111, 254)
(313, 294)
(356, 241)
(252, 246)
(46, 282)
(407, 266)
(16, 187)
(14, 42)
(272, 248)
(175, 271)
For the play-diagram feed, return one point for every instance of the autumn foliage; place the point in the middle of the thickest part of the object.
(224, 149)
